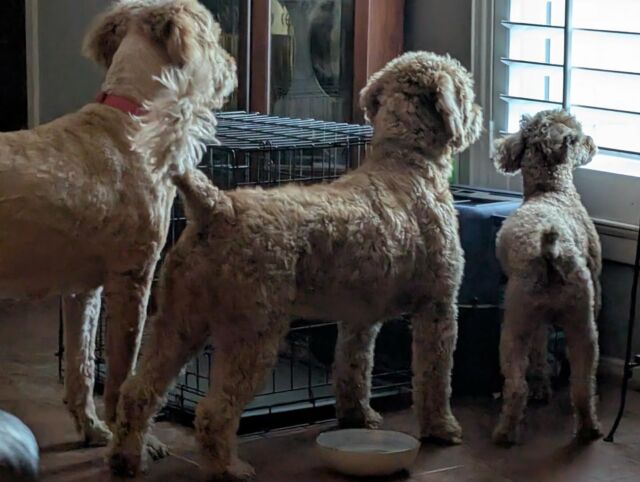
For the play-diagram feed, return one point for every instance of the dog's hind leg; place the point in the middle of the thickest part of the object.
(352, 375)
(126, 297)
(238, 371)
(141, 395)
(582, 344)
(435, 330)
(520, 323)
(81, 313)
(538, 373)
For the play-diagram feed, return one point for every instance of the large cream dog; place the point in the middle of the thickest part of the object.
(379, 242)
(81, 213)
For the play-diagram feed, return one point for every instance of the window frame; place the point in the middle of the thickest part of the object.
(612, 198)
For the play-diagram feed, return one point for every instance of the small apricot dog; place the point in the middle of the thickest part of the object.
(80, 210)
(550, 251)
(379, 242)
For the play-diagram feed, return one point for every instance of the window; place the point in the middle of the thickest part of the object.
(583, 55)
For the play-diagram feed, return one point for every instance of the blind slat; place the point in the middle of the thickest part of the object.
(510, 61)
(527, 100)
(510, 24)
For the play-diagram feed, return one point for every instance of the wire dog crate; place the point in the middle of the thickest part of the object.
(266, 151)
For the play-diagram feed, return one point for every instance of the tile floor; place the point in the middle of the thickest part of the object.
(29, 388)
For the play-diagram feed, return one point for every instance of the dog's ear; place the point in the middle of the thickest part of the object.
(105, 34)
(225, 78)
(461, 117)
(191, 39)
(508, 153)
(172, 28)
(447, 105)
(370, 96)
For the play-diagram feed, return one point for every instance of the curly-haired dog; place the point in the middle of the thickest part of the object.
(379, 242)
(550, 251)
(80, 210)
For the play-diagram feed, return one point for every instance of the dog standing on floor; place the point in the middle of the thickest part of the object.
(550, 251)
(380, 241)
(82, 214)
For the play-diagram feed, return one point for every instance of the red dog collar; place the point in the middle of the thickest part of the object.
(123, 104)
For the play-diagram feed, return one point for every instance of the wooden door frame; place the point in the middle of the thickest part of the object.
(378, 38)
(260, 57)
(244, 55)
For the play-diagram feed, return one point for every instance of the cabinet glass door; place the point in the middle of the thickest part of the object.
(312, 59)
(230, 14)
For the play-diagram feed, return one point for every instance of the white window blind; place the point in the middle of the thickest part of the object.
(583, 55)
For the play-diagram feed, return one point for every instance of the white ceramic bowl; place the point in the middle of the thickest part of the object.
(364, 452)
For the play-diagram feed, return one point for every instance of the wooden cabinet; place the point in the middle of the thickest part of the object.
(308, 58)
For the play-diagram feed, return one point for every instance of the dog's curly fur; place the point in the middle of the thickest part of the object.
(80, 210)
(550, 251)
(379, 242)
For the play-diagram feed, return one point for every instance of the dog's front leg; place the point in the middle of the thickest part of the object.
(80, 315)
(435, 329)
(352, 375)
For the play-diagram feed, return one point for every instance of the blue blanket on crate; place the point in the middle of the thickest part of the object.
(479, 223)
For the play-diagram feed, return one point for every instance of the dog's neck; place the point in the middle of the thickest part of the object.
(405, 158)
(387, 148)
(558, 180)
(134, 66)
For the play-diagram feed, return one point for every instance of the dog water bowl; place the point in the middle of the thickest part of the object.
(363, 452)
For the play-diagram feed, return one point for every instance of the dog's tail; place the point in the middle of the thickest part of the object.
(549, 246)
(559, 263)
(171, 131)
(202, 200)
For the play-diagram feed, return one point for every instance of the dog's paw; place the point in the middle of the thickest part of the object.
(447, 432)
(505, 436)
(96, 433)
(237, 471)
(588, 434)
(126, 465)
(155, 448)
(367, 418)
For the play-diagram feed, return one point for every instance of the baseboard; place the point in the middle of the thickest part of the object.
(612, 368)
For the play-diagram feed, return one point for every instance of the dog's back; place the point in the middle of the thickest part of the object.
(546, 241)
(343, 249)
(61, 182)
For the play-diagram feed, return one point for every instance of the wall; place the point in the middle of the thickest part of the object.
(439, 26)
(616, 292)
(67, 81)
